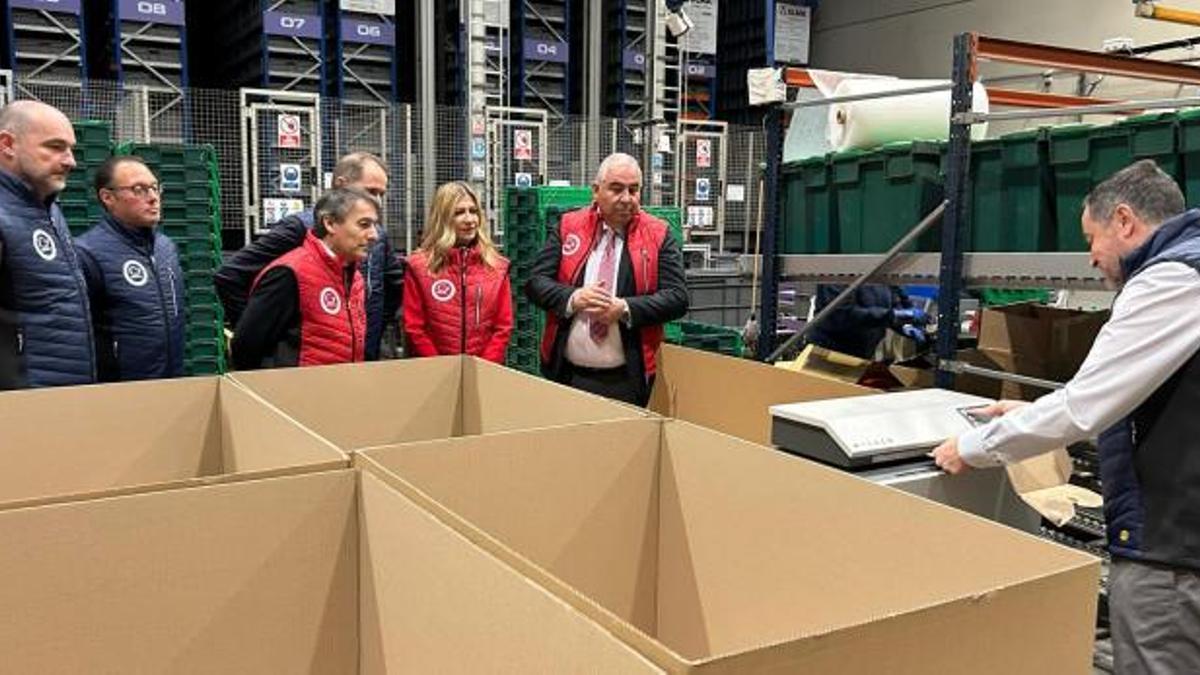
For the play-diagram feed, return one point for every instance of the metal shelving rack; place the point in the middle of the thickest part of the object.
(953, 268)
(541, 57)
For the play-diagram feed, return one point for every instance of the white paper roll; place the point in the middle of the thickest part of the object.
(873, 122)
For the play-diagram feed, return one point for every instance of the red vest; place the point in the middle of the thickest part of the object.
(332, 325)
(466, 308)
(643, 239)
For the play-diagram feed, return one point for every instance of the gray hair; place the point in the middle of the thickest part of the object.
(336, 205)
(1146, 189)
(613, 161)
(351, 166)
(16, 117)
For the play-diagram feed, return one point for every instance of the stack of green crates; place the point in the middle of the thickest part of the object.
(1012, 193)
(809, 216)
(1083, 155)
(883, 193)
(191, 217)
(1189, 154)
(710, 338)
(93, 145)
(528, 214)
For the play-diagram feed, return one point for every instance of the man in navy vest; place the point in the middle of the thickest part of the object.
(383, 272)
(1138, 390)
(134, 279)
(45, 323)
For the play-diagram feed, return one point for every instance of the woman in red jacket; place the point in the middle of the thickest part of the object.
(457, 298)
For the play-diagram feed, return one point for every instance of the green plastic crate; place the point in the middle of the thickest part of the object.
(882, 194)
(711, 338)
(808, 207)
(1083, 156)
(1189, 154)
(1012, 193)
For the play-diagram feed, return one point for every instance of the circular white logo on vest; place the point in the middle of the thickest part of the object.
(442, 290)
(135, 273)
(331, 302)
(571, 244)
(44, 244)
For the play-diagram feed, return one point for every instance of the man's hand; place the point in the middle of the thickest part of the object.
(947, 458)
(1000, 408)
(611, 314)
(592, 299)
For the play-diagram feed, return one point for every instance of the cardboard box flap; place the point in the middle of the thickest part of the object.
(1058, 338)
(248, 577)
(362, 404)
(500, 399)
(733, 395)
(579, 501)
(758, 547)
(435, 602)
(138, 436)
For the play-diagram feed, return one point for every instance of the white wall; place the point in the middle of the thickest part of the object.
(912, 38)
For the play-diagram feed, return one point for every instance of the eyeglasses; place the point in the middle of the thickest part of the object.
(140, 191)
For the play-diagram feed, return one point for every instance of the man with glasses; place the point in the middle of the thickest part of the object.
(134, 278)
(382, 271)
(45, 324)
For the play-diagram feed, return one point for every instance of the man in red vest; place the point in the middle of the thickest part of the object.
(308, 307)
(609, 277)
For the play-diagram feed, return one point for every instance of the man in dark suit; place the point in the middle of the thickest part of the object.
(609, 277)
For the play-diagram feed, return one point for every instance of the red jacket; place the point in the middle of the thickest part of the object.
(332, 324)
(643, 239)
(464, 309)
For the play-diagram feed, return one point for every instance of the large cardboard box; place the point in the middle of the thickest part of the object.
(1033, 339)
(71, 442)
(298, 574)
(733, 395)
(365, 404)
(709, 554)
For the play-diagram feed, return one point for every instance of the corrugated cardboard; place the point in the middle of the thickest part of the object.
(72, 442)
(733, 395)
(712, 555)
(365, 404)
(299, 574)
(1042, 341)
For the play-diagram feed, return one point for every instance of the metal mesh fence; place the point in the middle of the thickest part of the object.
(251, 153)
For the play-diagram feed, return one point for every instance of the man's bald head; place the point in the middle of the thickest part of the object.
(18, 116)
(36, 142)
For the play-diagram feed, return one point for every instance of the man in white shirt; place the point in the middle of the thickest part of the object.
(609, 277)
(1138, 390)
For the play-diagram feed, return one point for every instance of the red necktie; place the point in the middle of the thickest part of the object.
(607, 278)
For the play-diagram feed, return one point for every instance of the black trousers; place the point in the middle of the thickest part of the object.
(614, 383)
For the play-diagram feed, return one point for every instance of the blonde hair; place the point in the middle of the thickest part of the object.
(440, 235)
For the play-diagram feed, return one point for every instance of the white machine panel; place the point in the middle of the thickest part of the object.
(883, 423)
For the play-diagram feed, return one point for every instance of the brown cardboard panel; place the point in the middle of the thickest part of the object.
(733, 395)
(432, 601)
(500, 399)
(579, 501)
(759, 548)
(763, 562)
(120, 438)
(256, 437)
(1058, 339)
(248, 577)
(364, 404)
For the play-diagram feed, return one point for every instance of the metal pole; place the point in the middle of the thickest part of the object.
(408, 180)
(899, 246)
(769, 244)
(967, 117)
(931, 89)
(954, 229)
(968, 369)
(427, 47)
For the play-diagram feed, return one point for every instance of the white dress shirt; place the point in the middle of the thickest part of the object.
(1152, 333)
(582, 350)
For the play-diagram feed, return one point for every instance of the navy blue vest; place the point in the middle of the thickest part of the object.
(45, 324)
(139, 297)
(373, 269)
(1150, 461)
